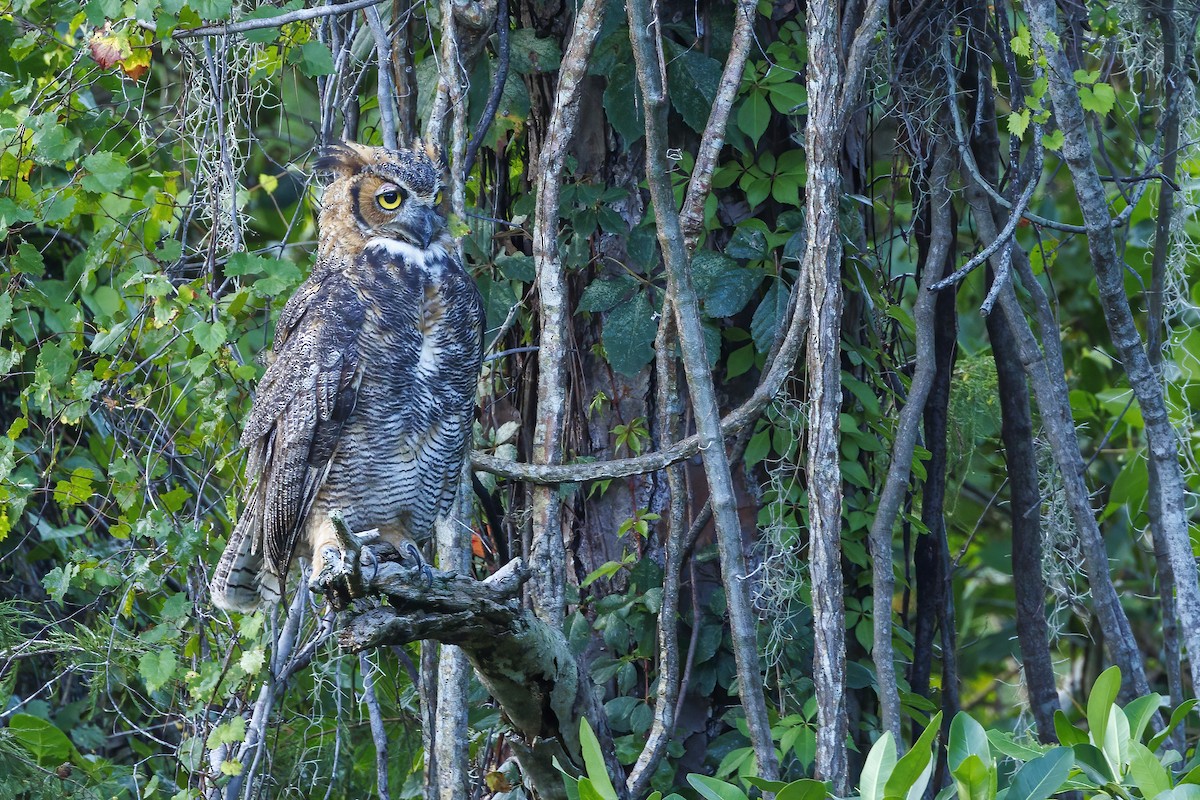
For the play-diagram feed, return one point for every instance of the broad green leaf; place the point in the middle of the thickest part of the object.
(157, 668)
(267, 35)
(315, 59)
(713, 789)
(878, 768)
(212, 9)
(593, 759)
(47, 744)
(804, 789)
(1003, 741)
(1053, 140)
(603, 294)
(529, 54)
(587, 790)
(1100, 702)
(967, 738)
(230, 732)
(1093, 762)
(1100, 98)
(210, 335)
(1043, 776)
(1018, 121)
(975, 779)
(693, 79)
(1116, 739)
(1148, 774)
(622, 103)
(107, 172)
(628, 335)
(765, 323)
(1139, 712)
(910, 771)
(754, 116)
(1177, 716)
(1187, 792)
(1067, 733)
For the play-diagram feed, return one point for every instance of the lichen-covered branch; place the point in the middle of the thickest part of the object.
(548, 553)
(523, 662)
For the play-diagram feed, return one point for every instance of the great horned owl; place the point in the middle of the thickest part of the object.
(366, 409)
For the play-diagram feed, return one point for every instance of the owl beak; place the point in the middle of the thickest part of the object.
(427, 225)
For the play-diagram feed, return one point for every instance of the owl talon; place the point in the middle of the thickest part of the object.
(340, 576)
(421, 565)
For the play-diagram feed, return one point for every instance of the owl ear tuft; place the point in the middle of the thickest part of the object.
(343, 159)
(430, 150)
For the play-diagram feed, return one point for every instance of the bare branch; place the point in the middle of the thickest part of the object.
(299, 15)
(648, 57)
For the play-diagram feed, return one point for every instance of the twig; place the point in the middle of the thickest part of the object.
(378, 732)
(1005, 237)
(489, 111)
(299, 15)
(385, 93)
(692, 215)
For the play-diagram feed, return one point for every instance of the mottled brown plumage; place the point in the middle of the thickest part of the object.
(366, 409)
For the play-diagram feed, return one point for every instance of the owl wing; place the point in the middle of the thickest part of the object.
(302, 404)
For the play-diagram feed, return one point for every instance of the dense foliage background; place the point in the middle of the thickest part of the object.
(157, 207)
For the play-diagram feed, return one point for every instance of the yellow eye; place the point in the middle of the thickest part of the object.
(390, 199)
(437, 198)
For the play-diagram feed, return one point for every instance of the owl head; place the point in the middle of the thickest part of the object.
(393, 194)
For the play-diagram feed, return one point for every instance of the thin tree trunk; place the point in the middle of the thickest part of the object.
(900, 468)
(833, 85)
(548, 551)
(1045, 369)
(1016, 432)
(648, 56)
(1025, 502)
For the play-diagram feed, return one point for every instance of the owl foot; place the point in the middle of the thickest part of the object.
(421, 564)
(338, 571)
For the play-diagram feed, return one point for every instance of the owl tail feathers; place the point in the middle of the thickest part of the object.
(240, 582)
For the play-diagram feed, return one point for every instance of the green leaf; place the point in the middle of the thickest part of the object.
(1139, 712)
(315, 59)
(911, 773)
(529, 54)
(628, 335)
(803, 789)
(723, 286)
(212, 9)
(878, 768)
(48, 745)
(623, 103)
(693, 78)
(967, 738)
(57, 581)
(603, 294)
(1093, 763)
(1100, 98)
(107, 172)
(267, 35)
(157, 668)
(1177, 716)
(1043, 776)
(1100, 703)
(593, 759)
(231, 732)
(713, 789)
(1188, 792)
(974, 779)
(1053, 140)
(210, 335)
(754, 116)
(1018, 121)
(10, 214)
(1067, 733)
(1148, 774)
